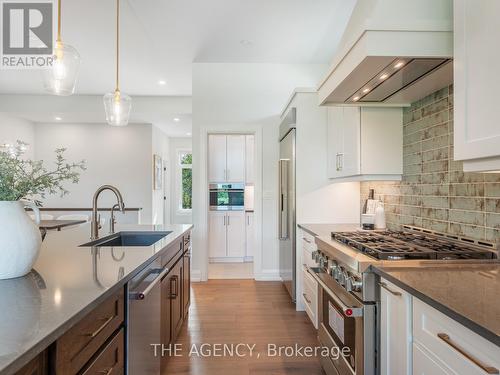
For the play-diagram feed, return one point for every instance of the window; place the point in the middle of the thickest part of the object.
(185, 181)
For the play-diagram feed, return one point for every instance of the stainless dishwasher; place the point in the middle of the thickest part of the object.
(144, 320)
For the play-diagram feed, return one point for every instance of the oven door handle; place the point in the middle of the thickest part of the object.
(349, 312)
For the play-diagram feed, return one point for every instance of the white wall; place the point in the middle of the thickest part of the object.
(13, 129)
(160, 146)
(245, 98)
(118, 156)
(176, 145)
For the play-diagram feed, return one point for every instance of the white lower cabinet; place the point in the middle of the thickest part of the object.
(310, 297)
(453, 346)
(236, 237)
(424, 364)
(217, 234)
(226, 235)
(395, 327)
(250, 235)
(417, 339)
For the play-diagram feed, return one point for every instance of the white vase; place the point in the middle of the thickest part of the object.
(20, 239)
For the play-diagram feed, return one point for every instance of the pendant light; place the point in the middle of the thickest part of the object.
(60, 78)
(117, 104)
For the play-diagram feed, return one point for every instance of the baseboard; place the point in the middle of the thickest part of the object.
(195, 276)
(226, 260)
(268, 275)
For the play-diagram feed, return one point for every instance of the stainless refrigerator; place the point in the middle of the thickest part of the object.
(287, 221)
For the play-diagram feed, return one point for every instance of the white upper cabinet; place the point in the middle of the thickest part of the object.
(217, 158)
(235, 158)
(226, 158)
(249, 169)
(365, 143)
(476, 121)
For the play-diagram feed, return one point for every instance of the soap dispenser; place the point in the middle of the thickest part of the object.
(380, 216)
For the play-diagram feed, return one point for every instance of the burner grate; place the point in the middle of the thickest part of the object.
(391, 245)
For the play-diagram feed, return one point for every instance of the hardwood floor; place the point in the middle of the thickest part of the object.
(247, 312)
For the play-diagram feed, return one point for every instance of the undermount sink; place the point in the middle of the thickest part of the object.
(128, 239)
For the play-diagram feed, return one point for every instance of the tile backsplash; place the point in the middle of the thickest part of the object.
(435, 193)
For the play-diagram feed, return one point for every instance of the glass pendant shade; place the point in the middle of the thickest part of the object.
(60, 79)
(117, 106)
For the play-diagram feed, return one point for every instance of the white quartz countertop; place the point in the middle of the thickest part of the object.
(66, 283)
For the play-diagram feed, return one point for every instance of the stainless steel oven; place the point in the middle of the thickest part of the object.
(224, 197)
(346, 327)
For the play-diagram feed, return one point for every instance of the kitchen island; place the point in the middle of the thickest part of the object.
(67, 283)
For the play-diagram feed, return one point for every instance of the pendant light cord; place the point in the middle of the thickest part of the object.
(117, 45)
(59, 21)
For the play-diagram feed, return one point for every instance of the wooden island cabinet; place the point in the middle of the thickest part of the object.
(96, 344)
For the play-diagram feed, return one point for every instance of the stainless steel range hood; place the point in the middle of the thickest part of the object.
(393, 53)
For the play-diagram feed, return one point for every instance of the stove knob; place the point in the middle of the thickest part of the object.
(342, 276)
(353, 285)
(332, 266)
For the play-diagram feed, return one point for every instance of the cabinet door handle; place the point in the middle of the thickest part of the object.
(173, 295)
(307, 299)
(224, 220)
(248, 220)
(228, 221)
(101, 328)
(384, 285)
(470, 357)
(107, 372)
(306, 239)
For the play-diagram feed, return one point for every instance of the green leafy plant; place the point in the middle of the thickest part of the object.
(29, 179)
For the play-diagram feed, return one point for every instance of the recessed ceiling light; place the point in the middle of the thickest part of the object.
(399, 65)
(383, 76)
(188, 134)
(245, 43)
(162, 82)
(177, 119)
(366, 90)
(58, 118)
(356, 98)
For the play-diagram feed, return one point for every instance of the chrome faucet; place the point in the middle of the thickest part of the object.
(95, 224)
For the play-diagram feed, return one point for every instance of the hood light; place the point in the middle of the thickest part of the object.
(383, 76)
(367, 90)
(355, 99)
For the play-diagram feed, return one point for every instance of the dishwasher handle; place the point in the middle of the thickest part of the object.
(144, 293)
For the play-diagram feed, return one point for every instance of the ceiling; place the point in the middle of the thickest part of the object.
(162, 38)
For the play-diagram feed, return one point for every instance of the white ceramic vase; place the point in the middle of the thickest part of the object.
(20, 239)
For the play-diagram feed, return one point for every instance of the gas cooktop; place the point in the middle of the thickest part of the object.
(399, 245)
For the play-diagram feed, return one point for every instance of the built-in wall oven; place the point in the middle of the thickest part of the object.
(346, 326)
(225, 197)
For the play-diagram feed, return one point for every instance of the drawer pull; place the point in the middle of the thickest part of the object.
(306, 239)
(477, 362)
(101, 328)
(384, 285)
(307, 299)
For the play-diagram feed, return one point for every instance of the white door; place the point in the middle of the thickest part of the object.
(250, 234)
(334, 141)
(424, 364)
(236, 236)
(217, 234)
(395, 330)
(350, 157)
(235, 158)
(476, 78)
(249, 162)
(216, 158)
